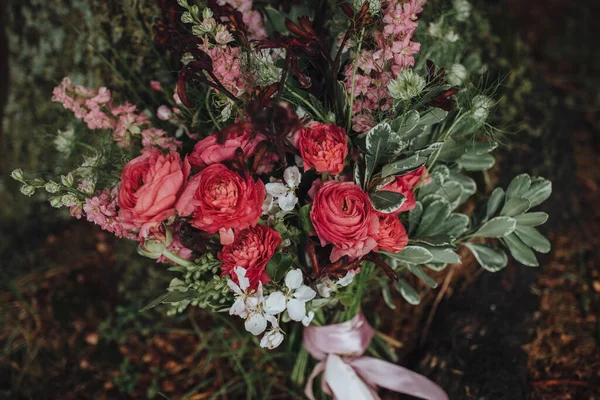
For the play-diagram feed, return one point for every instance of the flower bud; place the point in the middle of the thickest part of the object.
(481, 107)
(183, 3)
(207, 13)
(56, 201)
(187, 18)
(406, 86)
(69, 200)
(38, 183)
(457, 75)
(462, 9)
(52, 187)
(28, 190)
(67, 180)
(17, 175)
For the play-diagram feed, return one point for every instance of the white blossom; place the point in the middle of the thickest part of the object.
(293, 300)
(286, 193)
(274, 337)
(326, 286)
(248, 304)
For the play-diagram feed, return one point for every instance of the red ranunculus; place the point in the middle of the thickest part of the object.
(149, 187)
(208, 151)
(405, 184)
(392, 235)
(252, 249)
(342, 215)
(219, 199)
(323, 147)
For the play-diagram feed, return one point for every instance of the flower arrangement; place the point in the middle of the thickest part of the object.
(305, 158)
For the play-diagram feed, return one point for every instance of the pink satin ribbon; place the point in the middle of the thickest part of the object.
(349, 376)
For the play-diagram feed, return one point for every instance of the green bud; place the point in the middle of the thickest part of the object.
(457, 75)
(67, 180)
(195, 11)
(481, 107)
(69, 200)
(52, 187)
(187, 18)
(28, 190)
(183, 3)
(207, 13)
(406, 86)
(56, 201)
(17, 175)
(462, 8)
(38, 183)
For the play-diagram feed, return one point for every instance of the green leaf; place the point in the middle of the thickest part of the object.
(405, 123)
(408, 292)
(359, 176)
(515, 206)
(434, 215)
(304, 217)
(497, 227)
(533, 238)
(436, 266)
(490, 258)
(420, 273)
(539, 191)
(532, 218)
(480, 148)
(385, 201)
(170, 297)
(455, 225)
(519, 186)
(435, 241)
(387, 295)
(476, 162)
(278, 265)
(469, 187)
(414, 217)
(411, 255)
(452, 151)
(520, 251)
(412, 162)
(433, 116)
(443, 255)
(494, 202)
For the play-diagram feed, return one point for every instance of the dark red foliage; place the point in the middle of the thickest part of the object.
(443, 100)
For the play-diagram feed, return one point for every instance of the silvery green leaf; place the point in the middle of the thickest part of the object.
(455, 225)
(436, 266)
(443, 255)
(532, 218)
(387, 295)
(412, 162)
(436, 241)
(497, 227)
(418, 271)
(494, 202)
(515, 206)
(476, 162)
(452, 151)
(170, 297)
(385, 201)
(359, 177)
(480, 148)
(433, 116)
(434, 215)
(405, 123)
(520, 251)
(408, 292)
(490, 258)
(539, 191)
(440, 174)
(414, 217)
(411, 255)
(533, 238)
(519, 186)
(468, 184)
(451, 191)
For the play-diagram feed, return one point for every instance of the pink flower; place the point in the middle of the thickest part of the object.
(96, 119)
(158, 138)
(155, 85)
(102, 210)
(342, 215)
(392, 235)
(252, 250)
(323, 147)
(208, 151)
(164, 113)
(405, 184)
(149, 188)
(220, 200)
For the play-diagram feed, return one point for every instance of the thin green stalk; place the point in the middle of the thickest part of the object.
(355, 68)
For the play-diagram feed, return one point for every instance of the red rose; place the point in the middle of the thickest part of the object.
(149, 187)
(208, 151)
(405, 184)
(342, 215)
(392, 235)
(252, 249)
(219, 199)
(323, 147)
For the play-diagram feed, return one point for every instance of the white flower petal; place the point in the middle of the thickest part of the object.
(288, 202)
(234, 287)
(271, 339)
(275, 303)
(238, 308)
(346, 280)
(304, 293)
(292, 176)
(324, 289)
(276, 189)
(308, 319)
(293, 279)
(296, 309)
(241, 275)
(256, 324)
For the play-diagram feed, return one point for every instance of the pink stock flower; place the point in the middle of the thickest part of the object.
(102, 210)
(158, 138)
(208, 151)
(164, 113)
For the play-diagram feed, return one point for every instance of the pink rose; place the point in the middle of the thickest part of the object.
(342, 215)
(323, 147)
(219, 199)
(405, 184)
(392, 235)
(150, 184)
(208, 151)
(252, 249)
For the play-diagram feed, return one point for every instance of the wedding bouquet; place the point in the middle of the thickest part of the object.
(307, 157)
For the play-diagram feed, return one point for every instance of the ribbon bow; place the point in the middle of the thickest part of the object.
(349, 376)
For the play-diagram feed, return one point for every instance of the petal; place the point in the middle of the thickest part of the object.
(296, 309)
(292, 176)
(308, 319)
(226, 236)
(256, 324)
(293, 279)
(304, 293)
(238, 308)
(234, 287)
(276, 189)
(346, 280)
(324, 289)
(288, 202)
(241, 275)
(275, 303)
(271, 339)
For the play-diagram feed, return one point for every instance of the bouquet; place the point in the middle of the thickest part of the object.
(308, 157)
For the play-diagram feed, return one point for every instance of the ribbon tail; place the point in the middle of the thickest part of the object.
(344, 381)
(396, 378)
(308, 389)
